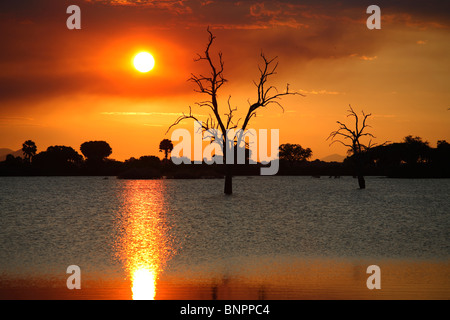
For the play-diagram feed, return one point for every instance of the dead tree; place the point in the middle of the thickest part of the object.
(210, 84)
(352, 140)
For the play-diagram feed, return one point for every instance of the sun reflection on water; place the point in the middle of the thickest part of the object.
(143, 245)
(143, 285)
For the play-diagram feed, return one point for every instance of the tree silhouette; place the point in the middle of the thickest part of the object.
(29, 150)
(442, 153)
(416, 150)
(58, 160)
(10, 160)
(294, 153)
(217, 126)
(95, 151)
(352, 139)
(166, 145)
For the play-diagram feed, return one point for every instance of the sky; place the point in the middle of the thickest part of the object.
(65, 87)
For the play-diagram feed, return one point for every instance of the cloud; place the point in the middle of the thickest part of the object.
(40, 58)
(176, 6)
(363, 57)
(319, 92)
(44, 86)
(237, 12)
(127, 113)
(384, 116)
(19, 121)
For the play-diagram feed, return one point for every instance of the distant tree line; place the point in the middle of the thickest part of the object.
(411, 158)
(61, 160)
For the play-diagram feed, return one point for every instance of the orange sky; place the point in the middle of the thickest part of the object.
(65, 87)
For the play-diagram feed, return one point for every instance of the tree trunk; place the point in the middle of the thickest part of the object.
(361, 181)
(359, 171)
(228, 180)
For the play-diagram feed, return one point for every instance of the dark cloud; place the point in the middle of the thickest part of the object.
(36, 87)
(239, 14)
(38, 52)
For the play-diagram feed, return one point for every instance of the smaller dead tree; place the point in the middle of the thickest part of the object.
(352, 139)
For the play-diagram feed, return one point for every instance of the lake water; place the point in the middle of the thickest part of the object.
(274, 238)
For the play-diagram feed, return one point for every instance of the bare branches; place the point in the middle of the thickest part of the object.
(266, 95)
(211, 83)
(373, 145)
(184, 117)
(230, 123)
(353, 135)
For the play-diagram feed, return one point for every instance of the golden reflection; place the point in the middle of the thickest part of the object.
(144, 285)
(143, 244)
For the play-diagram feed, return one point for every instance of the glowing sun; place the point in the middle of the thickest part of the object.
(144, 62)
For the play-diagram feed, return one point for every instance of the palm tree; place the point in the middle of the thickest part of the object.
(29, 150)
(166, 145)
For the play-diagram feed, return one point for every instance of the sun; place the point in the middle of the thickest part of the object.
(144, 62)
